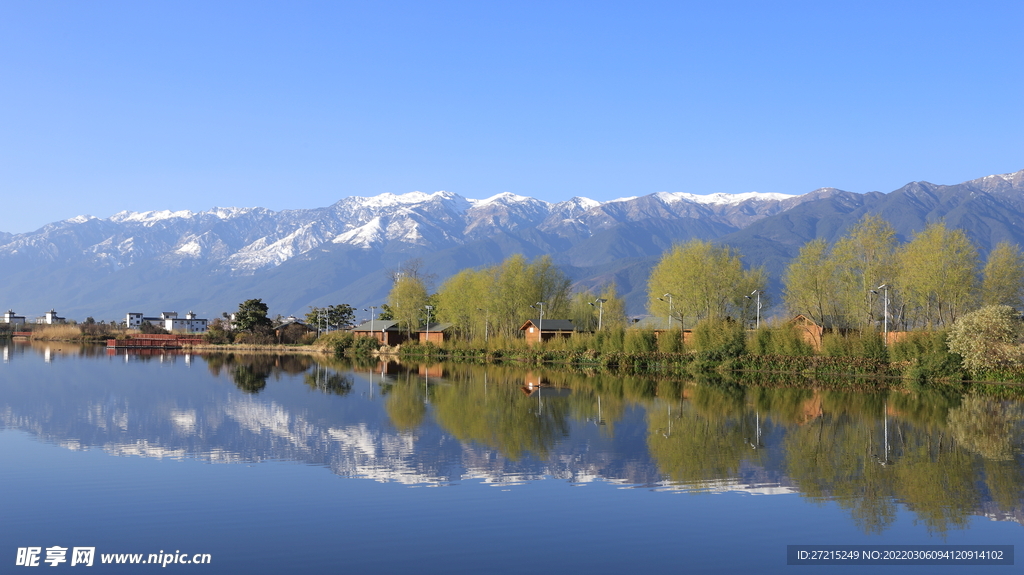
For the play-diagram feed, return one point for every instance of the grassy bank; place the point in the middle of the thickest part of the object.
(91, 333)
(921, 360)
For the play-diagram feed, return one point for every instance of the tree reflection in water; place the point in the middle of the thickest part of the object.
(941, 455)
(250, 372)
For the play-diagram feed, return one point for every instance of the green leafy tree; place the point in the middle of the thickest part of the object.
(937, 275)
(498, 299)
(407, 298)
(386, 313)
(703, 280)
(459, 302)
(863, 260)
(810, 283)
(590, 312)
(331, 317)
(252, 316)
(1003, 276)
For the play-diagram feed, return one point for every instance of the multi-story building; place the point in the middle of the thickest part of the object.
(11, 319)
(168, 320)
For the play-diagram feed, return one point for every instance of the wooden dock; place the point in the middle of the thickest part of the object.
(155, 341)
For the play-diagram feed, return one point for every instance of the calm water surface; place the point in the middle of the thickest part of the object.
(273, 464)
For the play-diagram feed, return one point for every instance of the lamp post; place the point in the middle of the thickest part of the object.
(540, 326)
(758, 293)
(669, 296)
(885, 310)
(372, 307)
(600, 312)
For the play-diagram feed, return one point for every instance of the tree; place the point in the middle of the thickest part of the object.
(988, 339)
(252, 316)
(810, 283)
(498, 299)
(703, 280)
(461, 301)
(863, 260)
(331, 317)
(407, 298)
(1003, 276)
(937, 275)
(614, 308)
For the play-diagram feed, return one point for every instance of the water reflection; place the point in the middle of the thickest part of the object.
(944, 457)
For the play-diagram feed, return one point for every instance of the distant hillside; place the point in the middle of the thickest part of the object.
(209, 261)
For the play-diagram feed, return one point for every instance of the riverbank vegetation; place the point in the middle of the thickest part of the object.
(83, 332)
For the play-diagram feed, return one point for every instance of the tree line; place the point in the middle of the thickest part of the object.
(865, 279)
(496, 300)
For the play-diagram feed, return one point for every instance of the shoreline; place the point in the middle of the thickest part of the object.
(888, 374)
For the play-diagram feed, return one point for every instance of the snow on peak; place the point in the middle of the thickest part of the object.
(720, 198)
(149, 217)
(585, 203)
(389, 199)
(366, 235)
(228, 213)
(503, 197)
(1009, 177)
(190, 246)
(79, 219)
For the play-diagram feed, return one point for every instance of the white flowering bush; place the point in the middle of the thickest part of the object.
(989, 339)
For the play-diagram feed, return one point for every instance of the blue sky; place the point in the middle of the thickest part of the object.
(106, 106)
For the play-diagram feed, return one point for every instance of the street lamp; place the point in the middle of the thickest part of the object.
(372, 307)
(669, 296)
(600, 313)
(758, 292)
(885, 310)
(540, 326)
(428, 308)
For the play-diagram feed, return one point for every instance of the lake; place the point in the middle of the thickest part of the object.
(288, 463)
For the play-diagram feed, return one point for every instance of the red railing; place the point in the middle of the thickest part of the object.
(155, 340)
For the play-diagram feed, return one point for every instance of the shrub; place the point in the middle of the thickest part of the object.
(612, 340)
(216, 335)
(779, 340)
(365, 345)
(929, 355)
(869, 345)
(989, 339)
(671, 341)
(255, 339)
(640, 341)
(718, 339)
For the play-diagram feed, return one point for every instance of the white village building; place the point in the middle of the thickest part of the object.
(50, 318)
(11, 319)
(170, 321)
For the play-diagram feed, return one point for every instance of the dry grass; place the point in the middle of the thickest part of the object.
(57, 332)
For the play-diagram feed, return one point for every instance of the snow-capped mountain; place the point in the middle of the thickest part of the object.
(244, 241)
(208, 261)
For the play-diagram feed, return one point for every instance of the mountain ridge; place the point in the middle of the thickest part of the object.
(209, 261)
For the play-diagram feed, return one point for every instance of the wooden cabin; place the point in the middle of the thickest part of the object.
(537, 331)
(435, 333)
(809, 331)
(385, 331)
